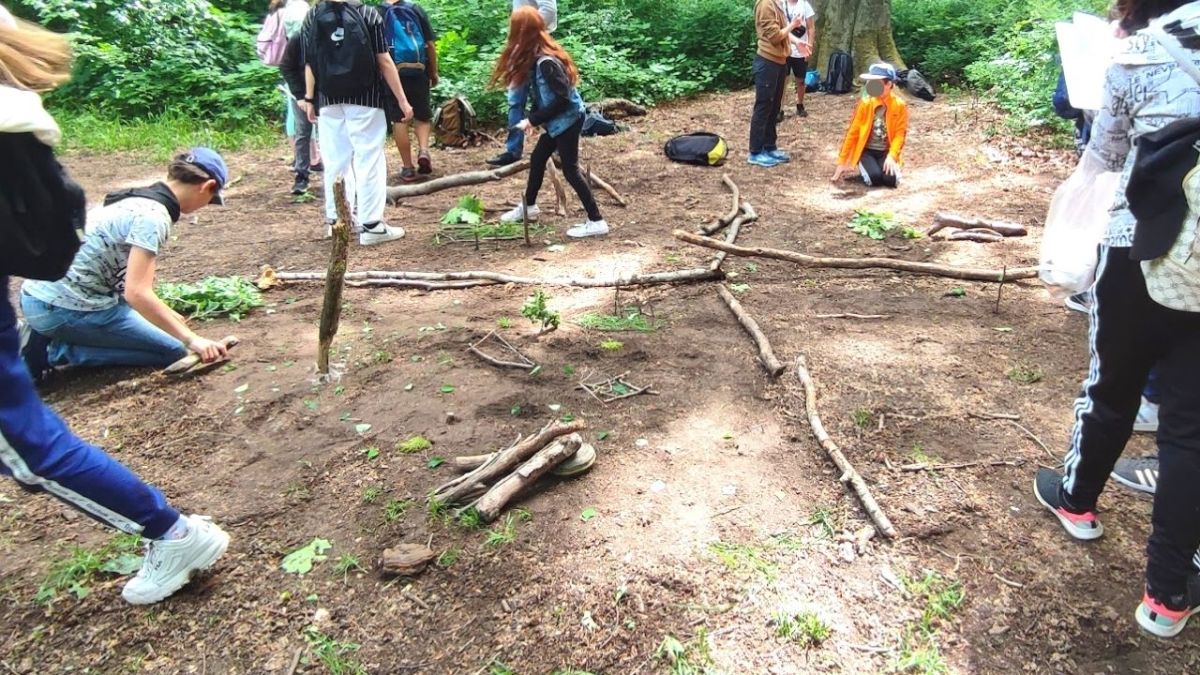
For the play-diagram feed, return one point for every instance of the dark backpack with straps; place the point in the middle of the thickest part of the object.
(41, 210)
(701, 147)
(839, 76)
(346, 63)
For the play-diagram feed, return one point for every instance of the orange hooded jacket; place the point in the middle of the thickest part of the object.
(859, 132)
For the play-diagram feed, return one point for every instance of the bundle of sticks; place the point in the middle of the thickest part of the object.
(492, 481)
(974, 229)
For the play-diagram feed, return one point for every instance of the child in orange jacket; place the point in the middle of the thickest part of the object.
(877, 131)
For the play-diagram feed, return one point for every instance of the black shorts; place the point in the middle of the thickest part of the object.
(416, 90)
(798, 67)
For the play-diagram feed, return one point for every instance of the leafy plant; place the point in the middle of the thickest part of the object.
(448, 558)
(348, 563)
(212, 297)
(414, 445)
(535, 309)
(588, 514)
(371, 493)
(75, 573)
(630, 319)
(395, 509)
(1025, 374)
(806, 628)
(827, 520)
(471, 518)
(434, 462)
(862, 418)
(872, 224)
(692, 658)
(370, 453)
(468, 211)
(332, 654)
(506, 532)
(301, 560)
(612, 345)
(910, 232)
(504, 322)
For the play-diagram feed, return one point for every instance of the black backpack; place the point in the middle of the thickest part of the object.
(346, 64)
(41, 210)
(839, 76)
(916, 84)
(701, 147)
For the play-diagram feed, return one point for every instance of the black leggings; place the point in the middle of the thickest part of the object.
(871, 164)
(567, 145)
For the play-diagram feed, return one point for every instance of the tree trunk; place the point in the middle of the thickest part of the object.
(861, 27)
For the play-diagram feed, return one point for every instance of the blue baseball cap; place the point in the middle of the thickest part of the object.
(210, 162)
(880, 71)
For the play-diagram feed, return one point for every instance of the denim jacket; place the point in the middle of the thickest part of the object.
(543, 96)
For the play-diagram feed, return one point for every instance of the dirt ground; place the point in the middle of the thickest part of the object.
(714, 508)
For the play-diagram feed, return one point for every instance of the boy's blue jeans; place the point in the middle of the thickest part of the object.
(112, 337)
(517, 97)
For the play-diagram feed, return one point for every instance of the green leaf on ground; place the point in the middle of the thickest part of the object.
(302, 559)
(588, 514)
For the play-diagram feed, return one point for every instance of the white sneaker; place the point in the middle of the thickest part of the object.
(592, 228)
(515, 216)
(382, 234)
(1147, 418)
(169, 564)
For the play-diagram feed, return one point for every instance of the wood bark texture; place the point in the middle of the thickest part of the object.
(746, 214)
(187, 363)
(398, 192)
(735, 209)
(362, 278)
(861, 27)
(331, 308)
(964, 273)
(407, 560)
(1004, 227)
(766, 355)
(492, 503)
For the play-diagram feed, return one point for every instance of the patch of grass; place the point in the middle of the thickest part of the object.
(1025, 374)
(437, 509)
(941, 597)
(919, 456)
(919, 654)
(804, 628)
(161, 137)
(395, 509)
(506, 533)
(909, 232)
(612, 345)
(348, 563)
(414, 445)
(739, 557)
(630, 319)
(504, 322)
(213, 297)
(872, 224)
(471, 519)
(75, 573)
(863, 418)
(498, 667)
(448, 557)
(690, 658)
(332, 654)
(827, 520)
(919, 651)
(371, 493)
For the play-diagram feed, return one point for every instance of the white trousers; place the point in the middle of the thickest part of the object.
(352, 140)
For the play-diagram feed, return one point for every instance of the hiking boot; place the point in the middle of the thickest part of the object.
(800, 111)
(762, 159)
(300, 186)
(503, 159)
(1139, 474)
(592, 228)
(778, 155)
(170, 563)
(380, 233)
(1048, 488)
(520, 213)
(1147, 417)
(424, 163)
(1168, 618)
(318, 167)
(34, 351)
(1080, 302)
(407, 175)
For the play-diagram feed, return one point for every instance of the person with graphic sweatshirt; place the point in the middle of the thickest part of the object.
(532, 60)
(105, 312)
(36, 448)
(875, 138)
(770, 80)
(514, 146)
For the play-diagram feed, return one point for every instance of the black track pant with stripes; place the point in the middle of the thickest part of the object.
(1130, 334)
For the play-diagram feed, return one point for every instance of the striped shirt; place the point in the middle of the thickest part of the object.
(371, 97)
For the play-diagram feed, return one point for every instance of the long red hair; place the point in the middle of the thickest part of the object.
(527, 40)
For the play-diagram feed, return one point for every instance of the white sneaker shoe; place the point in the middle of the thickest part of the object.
(169, 564)
(382, 234)
(1147, 418)
(592, 228)
(515, 216)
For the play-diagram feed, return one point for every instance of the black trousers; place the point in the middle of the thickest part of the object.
(770, 79)
(1131, 334)
(871, 165)
(567, 145)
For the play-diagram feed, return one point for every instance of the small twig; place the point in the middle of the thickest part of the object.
(868, 648)
(414, 597)
(925, 466)
(852, 316)
(993, 416)
(1000, 289)
(727, 511)
(1007, 582)
(295, 661)
(1033, 437)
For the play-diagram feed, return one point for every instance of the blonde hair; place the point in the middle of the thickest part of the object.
(32, 57)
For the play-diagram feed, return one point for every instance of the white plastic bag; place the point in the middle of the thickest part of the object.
(1075, 225)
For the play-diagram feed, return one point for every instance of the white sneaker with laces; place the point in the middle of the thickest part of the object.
(531, 214)
(170, 563)
(1147, 418)
(382, 233)
(592, 228)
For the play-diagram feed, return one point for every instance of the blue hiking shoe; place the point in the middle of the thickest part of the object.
(762, 159)
(779, 155)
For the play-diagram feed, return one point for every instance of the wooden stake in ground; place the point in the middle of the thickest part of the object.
(849, 475)
(766, 355)
(456, 491)
(331, 309)
(494, 500)
(399, 192)
(964, 273)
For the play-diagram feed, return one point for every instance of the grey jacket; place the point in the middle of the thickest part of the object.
(547, 8)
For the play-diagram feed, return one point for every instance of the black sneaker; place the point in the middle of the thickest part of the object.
(34, 351)
(318, 167)
(779, 117)
(503, 159)
(1167, 618)
(1048, 488)
(1139, 474)
(300, 186)
(800, 111)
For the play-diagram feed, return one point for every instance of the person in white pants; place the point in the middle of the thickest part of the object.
(340, 36)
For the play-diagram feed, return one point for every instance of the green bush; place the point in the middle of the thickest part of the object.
(942, 37)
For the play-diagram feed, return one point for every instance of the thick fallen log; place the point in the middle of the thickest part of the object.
(492, 503)
(766, 355)
(734, 210)
(849, 475)
(371, 277)
(422, 285)
(331, 308)
(456, 491)
(191, 364)
(943, 220)
(964, 273)
(610, 106)
(398, 192)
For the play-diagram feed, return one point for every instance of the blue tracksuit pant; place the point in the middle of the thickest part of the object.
(41, 453)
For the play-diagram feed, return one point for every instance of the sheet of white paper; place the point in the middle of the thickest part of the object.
(1087, 46)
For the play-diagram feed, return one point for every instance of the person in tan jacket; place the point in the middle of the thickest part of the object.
(770, 78)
